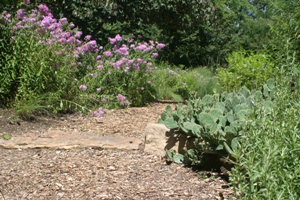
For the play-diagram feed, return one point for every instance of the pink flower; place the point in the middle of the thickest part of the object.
(88, 37)
(154, 55)
(107, 54)
(130, 40)
(62, 40)
(141, 47)
(160, 45)
(21, 14)
(100, 66)
(99, 113)
(104, 100)
(142, 88)
(112, 40)
(78, 34)
(99, 89)
(43, 9)
(83, 87)
(140, 60)
(71, 39)
(136, 67)
(64, 21)
(118, 38)
(127, 69)
(65, 34)
(120, 97)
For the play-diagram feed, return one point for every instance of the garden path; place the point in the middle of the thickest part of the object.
(91, 171)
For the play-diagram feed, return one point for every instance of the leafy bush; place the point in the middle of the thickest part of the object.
(216, 122)
(246, 69)
(267, 159)
(174, 83)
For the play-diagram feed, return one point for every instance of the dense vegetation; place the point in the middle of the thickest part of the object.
(234, 64)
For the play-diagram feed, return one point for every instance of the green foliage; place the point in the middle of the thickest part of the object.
(174, 83)
(246, 69)
(186, 27)
(30, 69)
(267, 159)
(285, 29)
(218, 121)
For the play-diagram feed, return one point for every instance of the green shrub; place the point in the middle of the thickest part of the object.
(267, 159)
(246, 69)
(174, 83)
(216, 122)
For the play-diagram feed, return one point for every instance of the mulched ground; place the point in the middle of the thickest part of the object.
(97, 173)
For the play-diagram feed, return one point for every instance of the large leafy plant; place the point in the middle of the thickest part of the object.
(216, 122)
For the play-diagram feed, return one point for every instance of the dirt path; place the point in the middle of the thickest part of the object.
(89, 173)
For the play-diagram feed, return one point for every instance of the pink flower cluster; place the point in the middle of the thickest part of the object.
(50, 30)
(122, 100)
(99, 113)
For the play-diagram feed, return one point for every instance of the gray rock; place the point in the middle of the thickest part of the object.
(158, 138)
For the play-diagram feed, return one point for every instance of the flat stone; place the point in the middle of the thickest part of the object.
(158, 139)
(57, 139)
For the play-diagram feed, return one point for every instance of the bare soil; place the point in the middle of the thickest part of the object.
(96, 173)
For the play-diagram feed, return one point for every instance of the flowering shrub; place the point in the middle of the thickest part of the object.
(124, 68)
(49, 58)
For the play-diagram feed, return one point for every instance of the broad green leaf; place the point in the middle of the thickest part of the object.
(171, 123)
(220, 147)
(230, 117)
(207, 121)
(228, 149)
(229, 129)
(178, 158)
(168, 109)
(215, 114)
(170, 154)
(271, 84)
(222, 120)
(220, 106)
(241, 111)
(244, 91)
(208, 99)
(193, 127)
(160, 121)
